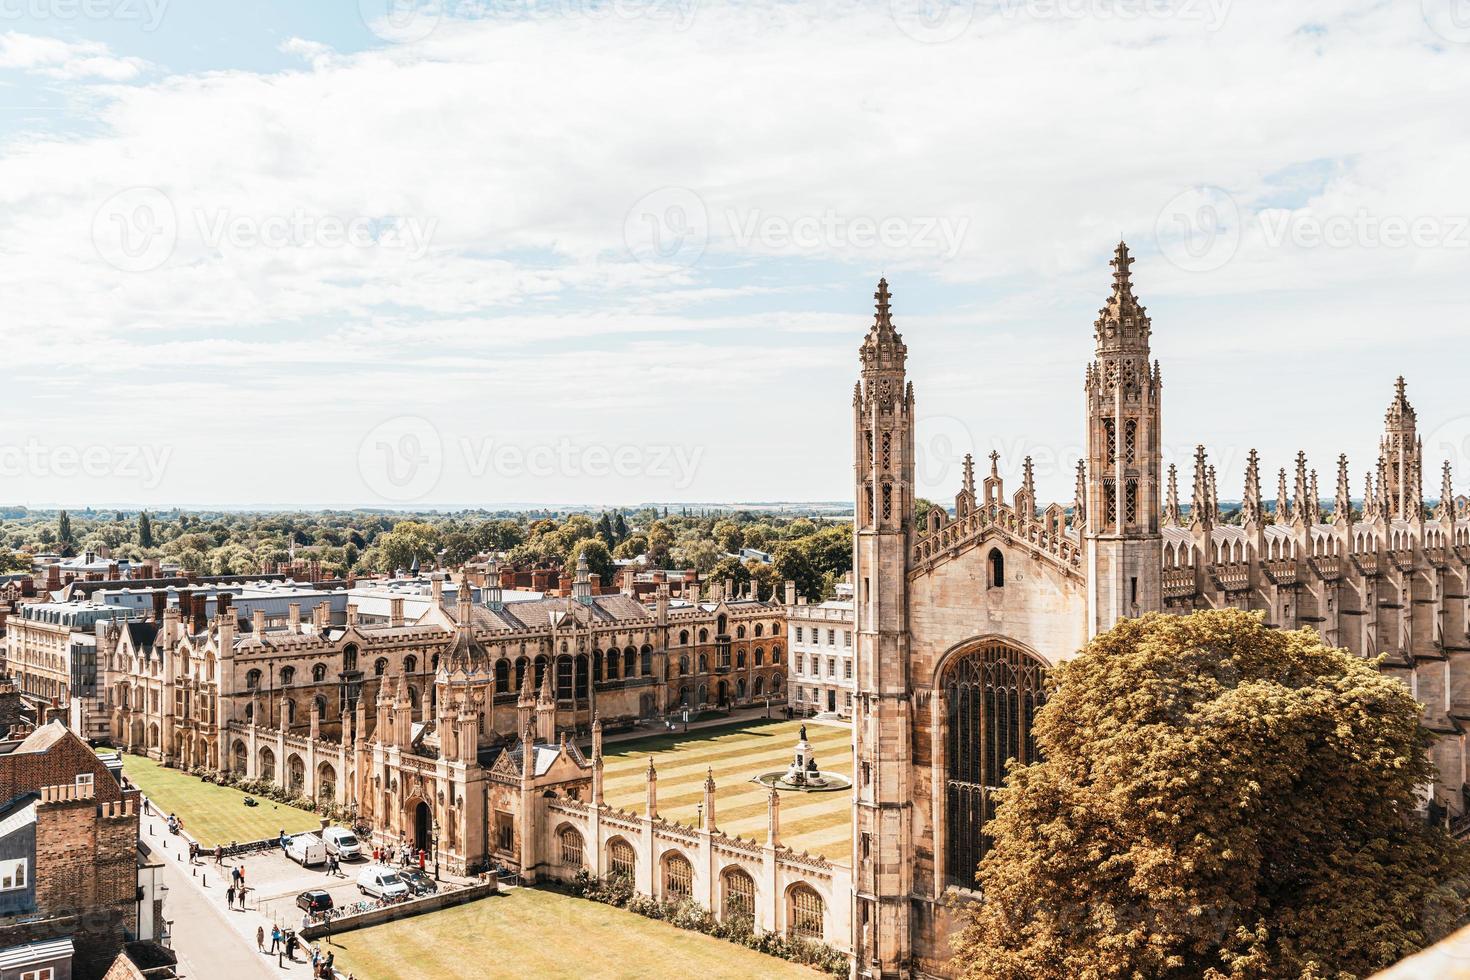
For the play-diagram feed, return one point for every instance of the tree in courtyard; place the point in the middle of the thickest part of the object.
(1216, 799)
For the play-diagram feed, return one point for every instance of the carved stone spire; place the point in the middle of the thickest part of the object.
(1445, 510)
(1025, 503)
(1342, 503)
(1250, 501)
(1172, 517)
(1370, 499)
(651, 789)
(1122, 323)
(1314, 500)
(1199, 501)
(1299, 512)
(884, 345)
(1282, 516)
(1214, 495)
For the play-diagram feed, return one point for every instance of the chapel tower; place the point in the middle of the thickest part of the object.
(1123, 541)
(883, 430)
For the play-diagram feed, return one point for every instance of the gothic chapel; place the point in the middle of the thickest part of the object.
(958, 618)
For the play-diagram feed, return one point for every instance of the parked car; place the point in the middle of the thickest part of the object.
(343, 843)
(419, 882)
(314, 900)
(381, 882)
(306, 850)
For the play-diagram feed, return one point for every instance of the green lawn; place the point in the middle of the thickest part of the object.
(213, 814)
(535, 933)
(817, 822)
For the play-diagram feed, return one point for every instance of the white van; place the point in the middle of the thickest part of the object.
(306, 850)
(343, 843)
(381, 882)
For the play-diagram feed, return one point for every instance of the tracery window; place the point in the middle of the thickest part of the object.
(1130, 502)
(991, 696)
(678, 877)
(1110, 503)
(620, 858)
(739, 894)
(1110, 433)
(806, 913)
(887, 451)
(571, 848)
(1130, 440)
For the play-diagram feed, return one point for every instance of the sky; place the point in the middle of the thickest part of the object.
(439, 254)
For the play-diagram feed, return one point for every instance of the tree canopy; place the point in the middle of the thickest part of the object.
(1215, 799)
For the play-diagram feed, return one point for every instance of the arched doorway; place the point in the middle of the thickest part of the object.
(422, 825)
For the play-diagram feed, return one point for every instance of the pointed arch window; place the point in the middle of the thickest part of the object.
(995, 564)
(1110, 433)
(991, 696)
(1130, 440)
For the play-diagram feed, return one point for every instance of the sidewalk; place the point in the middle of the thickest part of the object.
(211, 941)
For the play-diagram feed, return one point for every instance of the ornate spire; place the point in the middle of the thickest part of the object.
(970, 476)
(1299, 513)
(1122, 323)
(1250, 502)
(1214, 492)
(1445, 511)
(1026, 497)
(1199, 501)
(1342, 503)
(883, 347)
(1314, 500)
(1281, 516)
(1172, 516)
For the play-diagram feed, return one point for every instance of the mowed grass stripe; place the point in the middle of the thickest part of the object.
(816, 822)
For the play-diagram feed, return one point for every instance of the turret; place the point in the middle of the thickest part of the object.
(1402, 456)
(1124, 471)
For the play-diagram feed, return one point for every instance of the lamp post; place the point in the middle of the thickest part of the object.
(434, 842)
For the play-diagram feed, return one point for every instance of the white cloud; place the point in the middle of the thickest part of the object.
(446, 225)
(67, 60)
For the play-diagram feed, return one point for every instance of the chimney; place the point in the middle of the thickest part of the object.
(790, 592)
(395, 611)
(295, 617)
(257, 618)
(198, 607)
(507, 577)
(352, 614)
(160, 603)
(437, 581)
(224, 604)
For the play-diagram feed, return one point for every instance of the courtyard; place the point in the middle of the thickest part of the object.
(541, 933)
(213, 814)
(820, 823)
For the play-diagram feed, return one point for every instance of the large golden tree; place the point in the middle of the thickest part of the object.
(1217, 799)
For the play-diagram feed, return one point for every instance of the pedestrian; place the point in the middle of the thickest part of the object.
(291, 946)
(260, 939)
(230, 897)
(327, 965)
(283, 840)
(219, 854)
(275, 939)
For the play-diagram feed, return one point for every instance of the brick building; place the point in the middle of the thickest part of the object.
(69, 860)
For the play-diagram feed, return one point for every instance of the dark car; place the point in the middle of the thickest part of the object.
(314, 900)
(419, 882)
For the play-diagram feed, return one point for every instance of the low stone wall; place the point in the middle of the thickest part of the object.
(401, 910)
